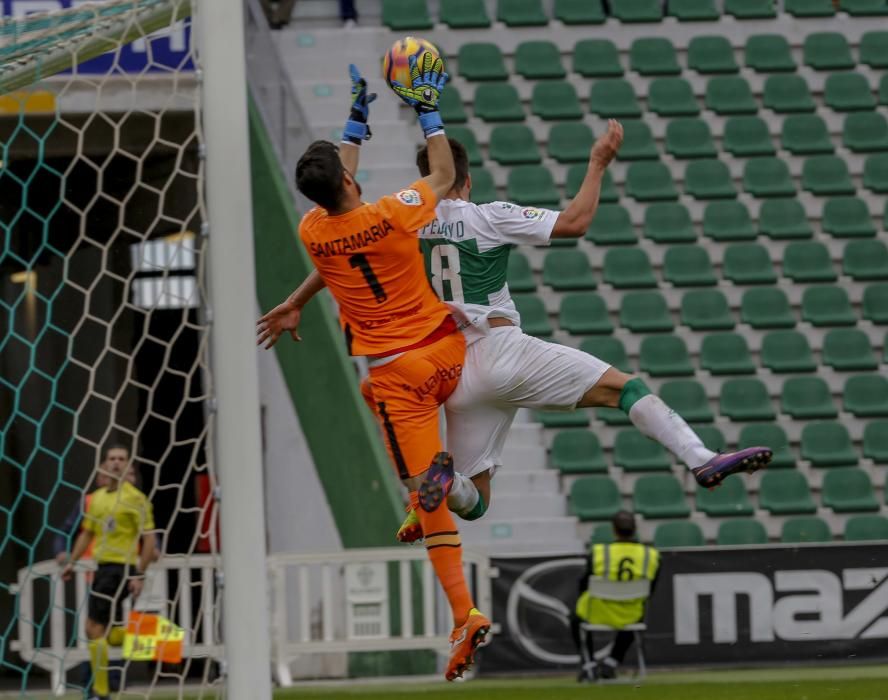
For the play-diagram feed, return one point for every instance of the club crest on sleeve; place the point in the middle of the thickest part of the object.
(411, 198)
(531, 213)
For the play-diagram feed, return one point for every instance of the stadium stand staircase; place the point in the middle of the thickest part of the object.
(739, 262)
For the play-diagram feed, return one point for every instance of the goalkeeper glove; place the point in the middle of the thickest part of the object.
(427, 79)
(356, 129)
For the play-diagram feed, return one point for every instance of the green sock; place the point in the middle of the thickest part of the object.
(477, 511)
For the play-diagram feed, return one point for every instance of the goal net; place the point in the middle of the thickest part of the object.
(104, 340)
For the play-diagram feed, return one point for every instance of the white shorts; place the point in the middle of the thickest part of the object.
(504, 371)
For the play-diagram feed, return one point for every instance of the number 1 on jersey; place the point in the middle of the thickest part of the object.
(359, 260)
(450, 273)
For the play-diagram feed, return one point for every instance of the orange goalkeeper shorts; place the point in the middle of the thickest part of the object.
(406, 393)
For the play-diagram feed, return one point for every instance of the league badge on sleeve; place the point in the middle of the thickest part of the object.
(411, 198)
(530, 213)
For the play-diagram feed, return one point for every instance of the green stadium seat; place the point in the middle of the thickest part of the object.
(711, 54)
(519, 276)
(521, 13)
(672, 97)
(706, 310)
(596, 58)
(665, 357)
(668, 222)
(730, 95)
(513, 144)
(483, 187)
(466, 137)
(848, 91)
(875, 303)
(498, 102)
(826, 175)
(828, 444)
(805, 530)
(451, 107)
(627, 268)
(534, 319)
(728, 221)
(580, 11)
(751, 9)
(737, 533)
(827, 306)
(847, 217)
(570, 142)
(810, 8)
(745, 399)
(649, 181)
(784, 218)
(827, 51)
(766, 308)
(532, 185)
(861, 528)
(711, 437)
(807, 398)
(567, 270)
(563, 419)
(726, 353)
(808, 261)
(584, 312)
(787, 351)
(709, 179)
(769, 53)
(688, 266)
(874, 49)
(875, 173)
(848, 349)
(653, 56)
(577, 452)
(806, 134)
(849, 490)
(768, 177)
(660, 496)
(614, 98)
(611, 226)
(464, 14)
(687, 398)
(785, 493)
(864, 7)
(678, 534)
(638, 142)
(406, 14)
(556, 99)
(602, 534)
(866, 260)
(866, 396)
(748, 263)
(865, 132)
(535, 60)
(481, 61)
(636, 453)
(787, 94)
(690, 138)
(773, 436)
(883, 90)
(637, 10)
(748, 136)
(875, 441)
(693, 10)
(645, 312)
(595, 498)
(730, 499)
(608, 349)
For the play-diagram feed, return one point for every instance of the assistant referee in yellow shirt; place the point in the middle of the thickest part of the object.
(119, 519)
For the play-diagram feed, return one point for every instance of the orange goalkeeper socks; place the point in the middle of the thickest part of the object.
(445, 552)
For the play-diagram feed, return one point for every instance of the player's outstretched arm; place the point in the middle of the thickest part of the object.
(573, 221)
(442, 170)
(357, 128)
(285, 317)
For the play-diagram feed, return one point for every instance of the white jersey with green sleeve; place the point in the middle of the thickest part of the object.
(466, 250)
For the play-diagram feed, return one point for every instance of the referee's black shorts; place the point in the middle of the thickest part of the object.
(107, 593)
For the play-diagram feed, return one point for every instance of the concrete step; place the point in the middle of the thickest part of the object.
(554, 530)
(493, 548)
(329, 100)
(514, 481)
(524, 458)
(527, 505)
(525, 435)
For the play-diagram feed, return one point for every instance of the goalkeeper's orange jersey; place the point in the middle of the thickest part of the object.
(370, 260)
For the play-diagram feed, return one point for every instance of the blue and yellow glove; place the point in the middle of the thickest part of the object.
(427, 78)
(356, 129)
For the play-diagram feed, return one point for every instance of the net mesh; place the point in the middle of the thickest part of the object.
(104, 337)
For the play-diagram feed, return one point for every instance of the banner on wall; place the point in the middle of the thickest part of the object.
(709, 605)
